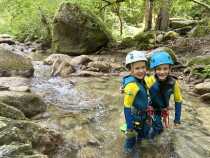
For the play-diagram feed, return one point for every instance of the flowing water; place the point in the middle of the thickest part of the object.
(88, 111)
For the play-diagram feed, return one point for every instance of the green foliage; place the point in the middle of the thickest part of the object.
(24, 18)
(203, 72)
(206, 71)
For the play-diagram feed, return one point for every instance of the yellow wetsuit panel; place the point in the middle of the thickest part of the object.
(130, 92)
(177, 92)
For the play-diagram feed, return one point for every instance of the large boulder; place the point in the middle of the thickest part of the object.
(77, 31)
(12, 64)
(30, 104)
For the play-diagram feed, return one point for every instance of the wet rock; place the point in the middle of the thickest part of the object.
(62, 68)
(206, 97)
(31, 136)
(77, 31)
(11, 112)
(80, 60)
(30, 104)
(53, 57)
(14, 65)
(99, 66)
(202, 88)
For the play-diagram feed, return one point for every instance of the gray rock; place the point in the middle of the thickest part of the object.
(80, 60)
(12, 64)
(29, 104)
(202, 88)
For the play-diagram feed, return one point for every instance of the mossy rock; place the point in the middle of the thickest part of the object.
(128, 42)
(171, 35)
(145, 40)
(12, 64)
(11, 112)
(78, 31)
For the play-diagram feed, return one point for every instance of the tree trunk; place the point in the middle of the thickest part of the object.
(162, 21)
(148, 15)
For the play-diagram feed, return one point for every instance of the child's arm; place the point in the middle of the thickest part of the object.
(178, 102)
(130, 92)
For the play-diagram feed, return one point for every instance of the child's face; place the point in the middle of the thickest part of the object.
(162, 71)
(138, 69)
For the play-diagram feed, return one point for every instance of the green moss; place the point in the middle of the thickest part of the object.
(145, 40)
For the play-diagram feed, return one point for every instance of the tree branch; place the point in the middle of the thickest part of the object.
(201, 3)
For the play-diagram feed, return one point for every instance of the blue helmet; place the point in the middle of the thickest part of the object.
(159, 58)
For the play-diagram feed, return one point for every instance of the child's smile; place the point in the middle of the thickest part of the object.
(138, 69)
(162, 71)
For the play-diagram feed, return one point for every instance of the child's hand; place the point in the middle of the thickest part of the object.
(130, 133)
(121, 89)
